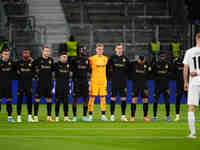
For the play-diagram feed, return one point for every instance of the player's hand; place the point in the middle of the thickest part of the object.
(193, 74)
(185, 86)
(30, 59)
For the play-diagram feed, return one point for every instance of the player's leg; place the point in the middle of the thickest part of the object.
(102, 94)
(29, 104)
(76, 95)
(103, 108)
(57, 109)
(178, 102)
(49, 109)
(93, 94)
(37, 102)
(48, 96)
(66, 108)
(123, 104)
(85, 108)
(144, 95)
(157, 93)
(8, 96)
(112, 102)
(1, 96)
(193, 100)
(0, 103)
(167, 103)
(74, 108)
(135, 95)
(20, 95)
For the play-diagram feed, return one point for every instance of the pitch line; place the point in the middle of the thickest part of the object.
(94, 137)
(46, 129)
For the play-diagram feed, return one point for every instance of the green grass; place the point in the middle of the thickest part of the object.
(98, 135)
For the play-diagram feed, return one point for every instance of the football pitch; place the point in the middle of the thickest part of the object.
(98, 135)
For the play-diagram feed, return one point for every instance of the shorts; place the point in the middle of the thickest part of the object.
(98, 90)
(142, 91)
(44, 90)
(25, 84)
(162, 85)
(193, 95)
(6, 90)
(116, 90)
(80, 88)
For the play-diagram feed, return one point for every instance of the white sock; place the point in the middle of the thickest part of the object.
(123, 116)
(177, 115)
(57, 118)
(191, 122)
(66, 118)
(18, 117)
(9, 117)
(29, 116)
(90, 116)
(103, 116)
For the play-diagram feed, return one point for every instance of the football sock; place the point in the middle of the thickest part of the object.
(123, 107)
(145, 109)
(112, 107)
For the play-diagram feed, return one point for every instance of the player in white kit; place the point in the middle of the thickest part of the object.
(192, 66)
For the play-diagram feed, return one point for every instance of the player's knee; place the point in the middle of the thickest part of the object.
(191, 108)
(8, 100)
(37, 100)
(123, 99)
(49, 100)
(134, 100)
(113, 99)
(145, 100)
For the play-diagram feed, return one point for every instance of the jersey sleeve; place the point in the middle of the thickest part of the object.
(185, 60)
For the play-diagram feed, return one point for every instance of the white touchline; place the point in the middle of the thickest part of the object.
(92, 136)
(43, 129)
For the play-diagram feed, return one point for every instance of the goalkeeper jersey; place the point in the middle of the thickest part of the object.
(98, 70)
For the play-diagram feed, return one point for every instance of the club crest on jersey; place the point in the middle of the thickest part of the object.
(9, 63)
(124, 60)
(67, 65)
(49, 61)
(29, 65)
(145, 66)
(86, 62)
(166, 66)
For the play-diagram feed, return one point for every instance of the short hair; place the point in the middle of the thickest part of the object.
(198, 36)
(26, 49)
(5, 50)
(119, 44)
(44, 47)
(99, 45)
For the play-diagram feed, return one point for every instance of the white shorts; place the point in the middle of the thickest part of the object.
(194, 95)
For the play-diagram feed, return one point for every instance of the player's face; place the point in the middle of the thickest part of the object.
(162, 58)
(119, 50)
(140, 61)
(82, 52)
(26, 54)
(198, 41)
(100, 50)
(63, 58)
(5, 56)
(46, 52)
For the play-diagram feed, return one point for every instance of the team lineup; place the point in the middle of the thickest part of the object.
(118, 69)
(99, 68)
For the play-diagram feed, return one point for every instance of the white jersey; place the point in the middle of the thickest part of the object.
(192, 59)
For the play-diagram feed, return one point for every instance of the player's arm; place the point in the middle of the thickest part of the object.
(35, 68)
(185, 76)
(109, 68)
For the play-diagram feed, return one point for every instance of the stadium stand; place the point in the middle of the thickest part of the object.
(134, 22)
